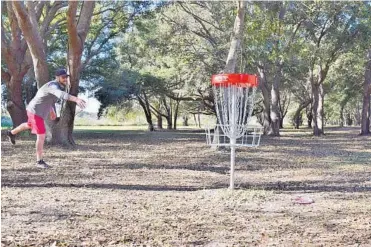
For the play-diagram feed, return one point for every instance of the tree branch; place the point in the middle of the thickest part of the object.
(71, 24)
(39, 9)
(30, 31)
(83, 25)
(32, 14)
(50, 15)
(199, 19)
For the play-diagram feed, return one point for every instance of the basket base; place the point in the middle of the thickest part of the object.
(251, 137)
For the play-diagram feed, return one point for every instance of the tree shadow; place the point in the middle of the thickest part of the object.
(306, 186)
(202, 167)
(112, 186)
(289, 186)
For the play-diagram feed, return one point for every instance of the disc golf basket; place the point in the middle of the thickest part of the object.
(234, 102)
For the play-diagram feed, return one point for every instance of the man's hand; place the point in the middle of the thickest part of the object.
(81, 103)
(53, 116)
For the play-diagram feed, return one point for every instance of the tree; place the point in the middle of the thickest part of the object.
(330, 27)
(22, 28)
(77, 32)
(366, 106)
(272, 29)
(13, 52)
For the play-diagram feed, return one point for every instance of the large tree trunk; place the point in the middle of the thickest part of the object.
(366, 106)
(57, 131)
(15, 105)
(35, 37)
(169, 122)
(275, 93)
(28, 24)
(275, 110)
(77, 32)
(318, 99)
(17, 63)
(267, 122)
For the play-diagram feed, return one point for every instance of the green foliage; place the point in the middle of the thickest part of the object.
(168, 50)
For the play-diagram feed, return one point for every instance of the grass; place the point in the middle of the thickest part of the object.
(129, 187)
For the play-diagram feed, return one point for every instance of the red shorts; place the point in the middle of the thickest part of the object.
(36, 123)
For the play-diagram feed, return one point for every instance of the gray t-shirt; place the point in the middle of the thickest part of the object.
(45, 99)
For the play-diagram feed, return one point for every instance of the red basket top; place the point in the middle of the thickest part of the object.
(240, 80)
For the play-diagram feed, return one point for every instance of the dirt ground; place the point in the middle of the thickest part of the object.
(131, 188)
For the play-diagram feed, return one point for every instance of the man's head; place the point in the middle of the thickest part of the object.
(61, 76)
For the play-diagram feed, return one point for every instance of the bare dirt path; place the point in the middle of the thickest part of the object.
(129, 188)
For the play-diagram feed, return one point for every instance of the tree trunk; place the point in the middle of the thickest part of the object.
(341, 118)
(176, 111)
(281, 123)
(297, 119)
(147, 111)
(317, 90)
(236, 38)
(60, 132)
(34, 40)
(358, 114)
(199, 119)
(159, 121)
(17, 63)
(169, 122)
(185, 121)
(275, 110)
(366, 106)
(310, 117)
(195, 119)
(77, 32)
(349, 119)
(15, 105)
(297, 115)
(267, 122)
(169, 115)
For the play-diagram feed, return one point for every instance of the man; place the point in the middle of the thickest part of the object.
(40, 108)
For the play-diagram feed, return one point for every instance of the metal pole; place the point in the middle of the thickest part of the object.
(233, 136)
(233, 155)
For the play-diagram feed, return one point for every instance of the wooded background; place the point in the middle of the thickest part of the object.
(312, 57)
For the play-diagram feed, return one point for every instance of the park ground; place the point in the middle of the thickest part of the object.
(168, 188)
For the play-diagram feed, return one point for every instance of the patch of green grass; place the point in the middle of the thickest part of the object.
(109, 128)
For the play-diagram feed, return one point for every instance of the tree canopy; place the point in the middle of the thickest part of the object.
(312, 57)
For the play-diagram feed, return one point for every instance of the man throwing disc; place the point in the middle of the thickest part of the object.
(40, 108)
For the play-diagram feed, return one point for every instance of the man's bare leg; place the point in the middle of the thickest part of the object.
(20, 128)
(11, 134)
(40, 146)
(40, 151)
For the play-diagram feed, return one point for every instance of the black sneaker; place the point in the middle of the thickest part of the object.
(11, 137)
(42, 164)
